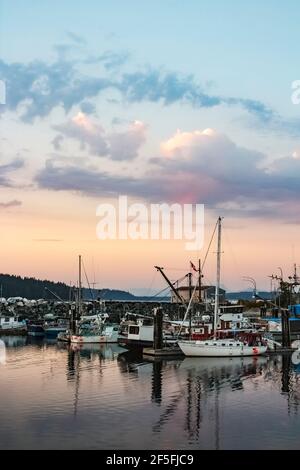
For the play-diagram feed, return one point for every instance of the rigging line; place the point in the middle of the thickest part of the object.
(188, 309)
(159, 293)
(210, 243)
(87, 280)
(195, 288)
(174, 269)
(166, 288)
(231, 251)
(207, 281)
(180, 279)
(151, 284)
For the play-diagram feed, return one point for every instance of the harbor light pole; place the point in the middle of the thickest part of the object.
(281, 273)
(253, 282)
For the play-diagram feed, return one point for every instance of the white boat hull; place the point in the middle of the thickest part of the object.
(99, 339)
(215, 349)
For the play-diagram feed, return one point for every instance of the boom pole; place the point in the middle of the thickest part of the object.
(170, 284)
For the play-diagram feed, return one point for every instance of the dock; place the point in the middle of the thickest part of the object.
(163, 353)
(278, 350)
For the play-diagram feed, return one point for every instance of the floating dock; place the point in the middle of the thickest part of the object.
(165, 352)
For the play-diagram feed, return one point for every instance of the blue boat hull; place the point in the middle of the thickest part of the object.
(35, 330)
(54, 332)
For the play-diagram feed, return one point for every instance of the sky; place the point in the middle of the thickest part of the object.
(163, 102)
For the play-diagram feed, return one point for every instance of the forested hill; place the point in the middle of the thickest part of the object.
(31, 288)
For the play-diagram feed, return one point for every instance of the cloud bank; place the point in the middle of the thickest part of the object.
(7, 168)
(39, 87)
(9, 204)
(195, 167)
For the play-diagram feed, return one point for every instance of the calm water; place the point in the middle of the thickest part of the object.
(52, 396)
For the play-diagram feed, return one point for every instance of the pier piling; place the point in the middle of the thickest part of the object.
(286, 332)
(158, 328)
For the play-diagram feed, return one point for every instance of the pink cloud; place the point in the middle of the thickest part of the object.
(93, 138)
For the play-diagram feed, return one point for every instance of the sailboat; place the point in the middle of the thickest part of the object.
(232, 347)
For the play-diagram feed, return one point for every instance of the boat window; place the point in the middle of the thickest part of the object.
(230, 344)
(206, 344)
(215, 344)
(223, 344)
(134, 330)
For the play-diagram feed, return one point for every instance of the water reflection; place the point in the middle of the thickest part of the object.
(205, 378)
(14, 341)
(100, 396)
(157, 382)
(2, 353)
(80, 355)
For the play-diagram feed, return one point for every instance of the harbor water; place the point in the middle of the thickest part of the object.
(56, 396)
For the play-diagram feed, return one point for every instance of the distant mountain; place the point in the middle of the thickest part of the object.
(108, 294)
(246, 295)
(120, 295)
(31, 288)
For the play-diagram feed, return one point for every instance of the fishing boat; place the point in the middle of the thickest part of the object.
(98, 334)
(36, 329)
(12, 325)
(64, 336)
(53, 331)
(89, 330)
(137, 335)
(140, 333)
(216, 347)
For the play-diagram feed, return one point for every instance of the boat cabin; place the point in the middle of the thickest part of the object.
(140, 332)
(10, 322)
(232, 318)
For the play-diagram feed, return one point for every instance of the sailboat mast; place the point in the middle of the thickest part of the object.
(79, 289)
(217, 291)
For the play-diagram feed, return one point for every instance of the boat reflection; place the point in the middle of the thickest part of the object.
(198, 403)
(191, 390)
(2, 353)
(14, 341)
(207, 379)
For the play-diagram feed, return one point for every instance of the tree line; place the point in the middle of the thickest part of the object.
(33, 289)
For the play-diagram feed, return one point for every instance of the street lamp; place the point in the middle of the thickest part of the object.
(253, 282)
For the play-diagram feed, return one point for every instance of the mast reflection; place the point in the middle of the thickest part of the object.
(157, 382)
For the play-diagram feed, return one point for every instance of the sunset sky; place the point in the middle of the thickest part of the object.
(162, 101)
